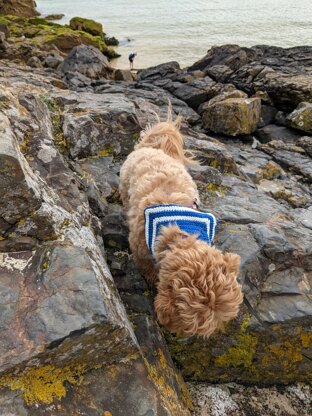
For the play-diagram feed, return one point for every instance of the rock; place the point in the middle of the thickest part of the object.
(295, 162)
(87, 61)
(238, 400)
(54, 316)
(272, 132)
(87, 25)
(54, 16)
(280, 118)
(111, 53)
(213, 154)
(306, 143)
(4, 29)
(4, 46)
(109, 119)
(231, 56)
(232, 116)
(285, 74)
(123, 75)
(194, 93)
(286, 91)
(20, 190)
(219, 73)
(168, 69)
(34, 62)
(267, 116)
(67, 351)
(53, 61)
(66, 40)
(111, 41)
(42, 36)
(301, 118)
(22, 8)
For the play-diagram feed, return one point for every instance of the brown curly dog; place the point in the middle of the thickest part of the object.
(197, 290)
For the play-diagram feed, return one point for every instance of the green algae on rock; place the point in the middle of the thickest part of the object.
(86, 25)
(41, 33)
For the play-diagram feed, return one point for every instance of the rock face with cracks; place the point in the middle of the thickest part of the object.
(63, 324)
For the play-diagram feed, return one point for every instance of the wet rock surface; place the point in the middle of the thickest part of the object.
(68, 146)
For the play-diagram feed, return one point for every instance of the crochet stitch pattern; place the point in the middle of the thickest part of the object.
(189, 220)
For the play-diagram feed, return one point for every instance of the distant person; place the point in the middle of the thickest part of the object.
(131, 59)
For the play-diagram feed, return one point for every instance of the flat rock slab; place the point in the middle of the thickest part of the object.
(49, 296)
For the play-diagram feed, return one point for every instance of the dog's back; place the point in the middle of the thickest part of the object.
(159, 157)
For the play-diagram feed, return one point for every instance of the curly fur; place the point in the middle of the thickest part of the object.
(197, 290)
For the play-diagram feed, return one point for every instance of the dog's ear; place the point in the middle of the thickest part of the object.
(231, 263)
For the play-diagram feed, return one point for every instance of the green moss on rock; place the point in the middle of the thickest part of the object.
(86, 25)
(41, 32)
(65, 39)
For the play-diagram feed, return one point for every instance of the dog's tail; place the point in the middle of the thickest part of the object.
(167, 137)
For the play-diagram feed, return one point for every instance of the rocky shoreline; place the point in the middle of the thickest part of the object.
(77, 319)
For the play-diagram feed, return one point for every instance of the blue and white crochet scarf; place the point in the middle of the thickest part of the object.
(189, 220)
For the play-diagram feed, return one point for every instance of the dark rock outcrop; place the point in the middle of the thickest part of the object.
(88, 61)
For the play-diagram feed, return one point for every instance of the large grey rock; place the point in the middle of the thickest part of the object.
(100, 125)
(88, 61)
(169, 69)
(64, 291)
(232, 56)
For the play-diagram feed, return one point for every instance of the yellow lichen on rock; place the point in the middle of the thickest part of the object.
(43, 384)
(287, 352)
(158, 375)
(306, 340)
(242, 353)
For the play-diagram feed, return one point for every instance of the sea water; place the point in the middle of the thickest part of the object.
(170, 30)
